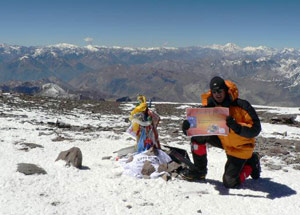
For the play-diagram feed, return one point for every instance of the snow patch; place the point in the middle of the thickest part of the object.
(24, 57)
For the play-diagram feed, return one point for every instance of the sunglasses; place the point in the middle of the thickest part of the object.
(218, 91)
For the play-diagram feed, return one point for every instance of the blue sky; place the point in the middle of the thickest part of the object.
(151, 23)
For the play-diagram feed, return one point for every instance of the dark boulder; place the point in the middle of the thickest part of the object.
(72, 156)
(30, 169)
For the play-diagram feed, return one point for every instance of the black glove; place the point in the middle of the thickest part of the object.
(200, 139)
(231, 123)
(185, 126)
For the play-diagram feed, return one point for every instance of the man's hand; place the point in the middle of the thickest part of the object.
(185, 126)
(231, 123)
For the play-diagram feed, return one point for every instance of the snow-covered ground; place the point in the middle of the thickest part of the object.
(100, 187)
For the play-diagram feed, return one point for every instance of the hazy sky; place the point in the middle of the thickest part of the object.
(149, 23)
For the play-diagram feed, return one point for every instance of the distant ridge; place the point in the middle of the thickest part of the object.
(264, 75)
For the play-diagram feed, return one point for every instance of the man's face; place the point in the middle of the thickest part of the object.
(219, 95)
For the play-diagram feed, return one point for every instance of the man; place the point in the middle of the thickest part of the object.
(239, 144)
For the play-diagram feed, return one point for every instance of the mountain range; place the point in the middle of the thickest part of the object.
(264, 76)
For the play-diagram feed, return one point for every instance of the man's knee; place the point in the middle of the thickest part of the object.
(230, 182)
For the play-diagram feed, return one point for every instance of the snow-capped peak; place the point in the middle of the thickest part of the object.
(24, 57)
(38, 52)
(64, 46)
(254, 49)
(260, 49)
(91, 48)
(289, 51)
(231, 47)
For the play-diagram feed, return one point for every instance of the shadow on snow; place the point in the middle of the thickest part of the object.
(273, 189)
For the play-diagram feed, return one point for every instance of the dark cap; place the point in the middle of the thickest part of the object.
(217, 83)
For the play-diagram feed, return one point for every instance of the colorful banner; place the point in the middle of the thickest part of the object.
(207, 121)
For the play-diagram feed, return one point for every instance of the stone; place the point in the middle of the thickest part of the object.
(72, 156)
(152, 152)
(173, 166)
(296, 167)
(55, 203)
(278, 150)
(106, 157)
(146, 177)
(62, 124)
(130, 139)
(297, 146)
(148, 168)
(260, 140)
(166, 177)
(32, 145)
(274, 167)
(60, 138)
(129, 159)
(162, 167)
(174, 175)
(30, 169)
(283, 119)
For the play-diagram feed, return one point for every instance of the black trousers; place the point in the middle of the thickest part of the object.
(233, 166)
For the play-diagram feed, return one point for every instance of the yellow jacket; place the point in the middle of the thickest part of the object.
(238, 145)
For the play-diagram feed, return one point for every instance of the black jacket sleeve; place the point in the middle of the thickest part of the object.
(256, 127)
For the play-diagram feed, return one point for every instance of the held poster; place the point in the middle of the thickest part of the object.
(207, 121)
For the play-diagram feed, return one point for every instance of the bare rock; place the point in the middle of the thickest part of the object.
(60, 124)
(174, 175)
(32, 145)
(297, 146)
(146, 177)
(148, 168)
(152, 152)
(260, 140)
(296, 167)
(60, 138)
(56, 203)
(162, 167)
(279, 150)
(274, 167)
(170, 167)
(173, 166)
(27, 146)
(129, 159)
(283, 119)
(166, 177)
(289, 160)
(30, 169)
(72, 156)
(130, 139)
(106, 157)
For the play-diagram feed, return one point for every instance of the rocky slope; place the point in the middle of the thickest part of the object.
(282, 145)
